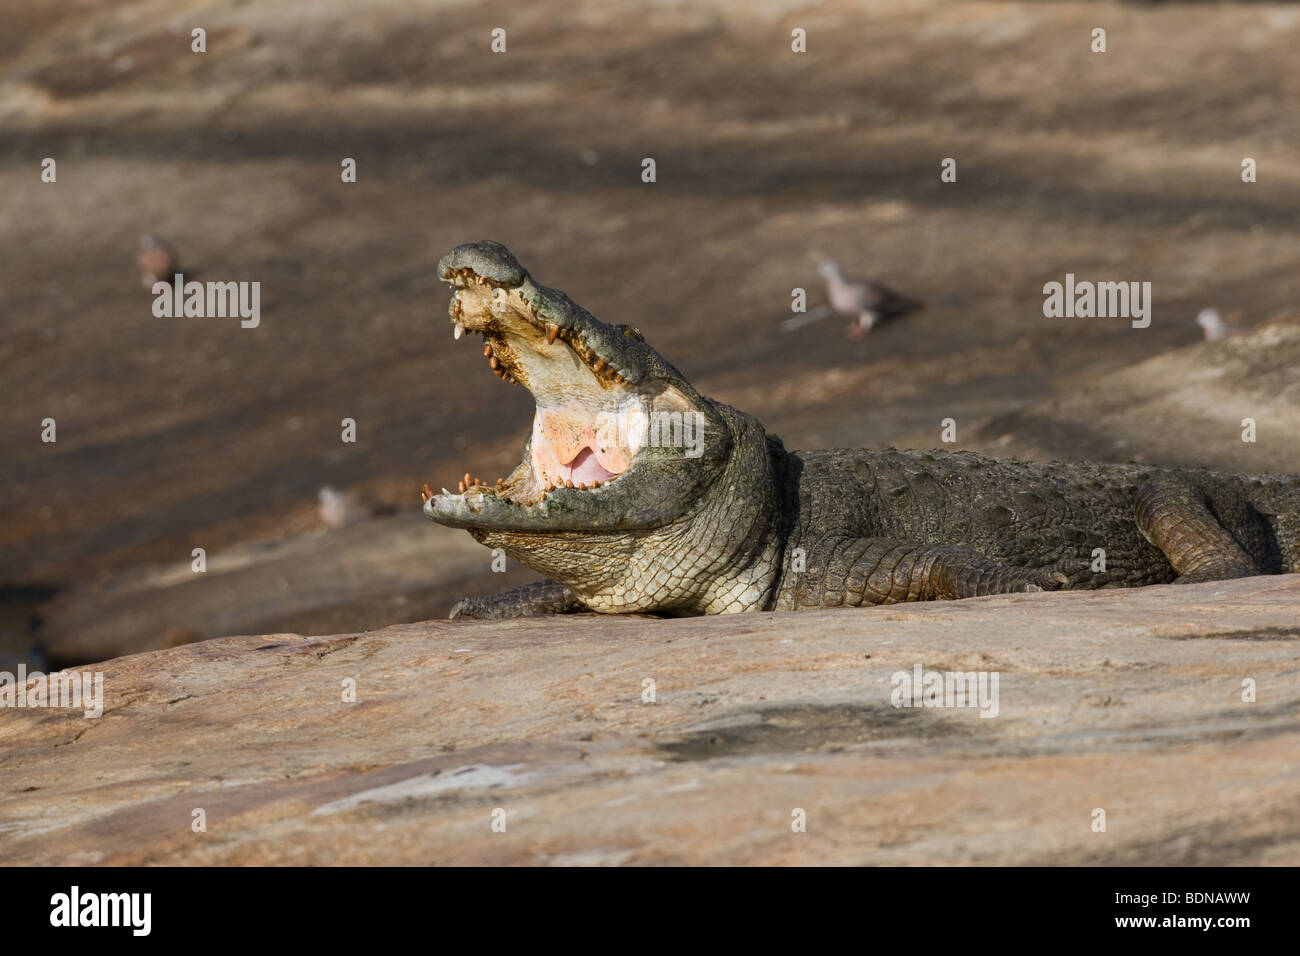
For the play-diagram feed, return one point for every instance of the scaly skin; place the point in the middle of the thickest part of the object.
(733, 522)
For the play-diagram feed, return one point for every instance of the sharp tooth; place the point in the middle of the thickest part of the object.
(551, 332)
(600, 363)
(460, 486)
(492, 362)
(446, 492)
(460, 330)
(487, 349)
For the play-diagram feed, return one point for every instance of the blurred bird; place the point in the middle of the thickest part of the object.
(1214, 327)
(338, 509)
(869, 303)
(157, 260)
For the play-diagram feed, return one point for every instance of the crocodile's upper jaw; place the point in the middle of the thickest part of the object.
(596, 388)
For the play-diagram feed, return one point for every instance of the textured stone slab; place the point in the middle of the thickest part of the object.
(1125, 701)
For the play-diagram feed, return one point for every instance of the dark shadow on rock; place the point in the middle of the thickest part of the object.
(1253, 634)
(801, 728)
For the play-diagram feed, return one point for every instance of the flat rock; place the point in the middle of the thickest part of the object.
(1128, 702)
(1185, 407)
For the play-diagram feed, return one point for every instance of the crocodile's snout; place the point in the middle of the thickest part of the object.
(491, 260)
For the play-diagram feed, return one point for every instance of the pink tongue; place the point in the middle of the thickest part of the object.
(585, 469)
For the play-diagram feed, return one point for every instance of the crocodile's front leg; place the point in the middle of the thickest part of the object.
(853, 572)
(540, 597)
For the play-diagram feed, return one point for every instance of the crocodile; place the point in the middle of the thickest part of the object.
(636, 493)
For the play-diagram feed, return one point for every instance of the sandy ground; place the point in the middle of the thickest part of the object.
(175, 434)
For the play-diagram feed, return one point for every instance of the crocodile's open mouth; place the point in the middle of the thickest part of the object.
(593, 391)
(590, 422)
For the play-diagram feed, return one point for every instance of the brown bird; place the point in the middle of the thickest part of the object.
(870, 303)
(157, 260)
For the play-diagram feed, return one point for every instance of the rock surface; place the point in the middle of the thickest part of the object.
(1127, 701)
(1185, 407)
